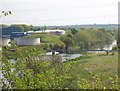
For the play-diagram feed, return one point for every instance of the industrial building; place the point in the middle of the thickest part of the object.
(18, 37)
(55, 32)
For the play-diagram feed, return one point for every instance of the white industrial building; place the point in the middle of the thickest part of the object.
(56, 32)
(5, 41)
(26, 41)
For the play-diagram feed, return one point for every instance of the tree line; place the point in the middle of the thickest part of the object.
(74, 39)
(87, 39)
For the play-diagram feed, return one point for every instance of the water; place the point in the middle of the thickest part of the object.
(106, 47)
(110, 46)
(69, 56)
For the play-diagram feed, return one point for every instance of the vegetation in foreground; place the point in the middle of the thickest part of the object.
(85, 72)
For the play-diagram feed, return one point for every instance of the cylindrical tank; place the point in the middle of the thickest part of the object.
(0, 41)
(5, 42)
(27, 41)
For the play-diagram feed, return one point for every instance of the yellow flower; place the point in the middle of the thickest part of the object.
(104, 87)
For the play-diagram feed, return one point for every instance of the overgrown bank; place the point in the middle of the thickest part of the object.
(85, 72)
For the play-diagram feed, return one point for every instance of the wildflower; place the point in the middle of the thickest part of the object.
(104, 87)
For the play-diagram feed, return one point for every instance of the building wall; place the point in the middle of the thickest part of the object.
(26, 41)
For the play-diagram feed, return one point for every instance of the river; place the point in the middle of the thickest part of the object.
(106, 47)
(70, 56)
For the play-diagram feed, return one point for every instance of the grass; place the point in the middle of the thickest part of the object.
(51, 39)
(104, 66)
(103, 63)
(48, 38)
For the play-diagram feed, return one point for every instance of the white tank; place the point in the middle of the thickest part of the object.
(5, 41)
(0, 41)
(26, 41)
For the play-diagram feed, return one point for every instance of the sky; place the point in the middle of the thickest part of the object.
(60, 12)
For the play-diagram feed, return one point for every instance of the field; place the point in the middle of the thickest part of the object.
(102, 66)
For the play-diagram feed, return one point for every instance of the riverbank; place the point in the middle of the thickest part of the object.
(90, 68)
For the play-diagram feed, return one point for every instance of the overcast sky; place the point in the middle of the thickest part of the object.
(61, 12)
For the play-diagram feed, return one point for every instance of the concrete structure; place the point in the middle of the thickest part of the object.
(26, 41)
(5, 41)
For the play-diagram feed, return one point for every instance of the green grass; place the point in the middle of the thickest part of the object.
(48, 38)
(90, 66)
(100, 64)
(51, 39)
(104, 66)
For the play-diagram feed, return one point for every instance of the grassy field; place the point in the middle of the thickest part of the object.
(103, 66)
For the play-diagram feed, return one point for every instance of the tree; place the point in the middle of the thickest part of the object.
(68, 42)
(70, 36)
(84, 39)
(73, 30)
(5, 13)
(24, 27)
(44, 28)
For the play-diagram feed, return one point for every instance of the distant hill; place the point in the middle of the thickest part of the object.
(24, 28)
(96, 26)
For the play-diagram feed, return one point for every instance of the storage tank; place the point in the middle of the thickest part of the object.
(26, 41)
(0, 41)
(5, 41)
